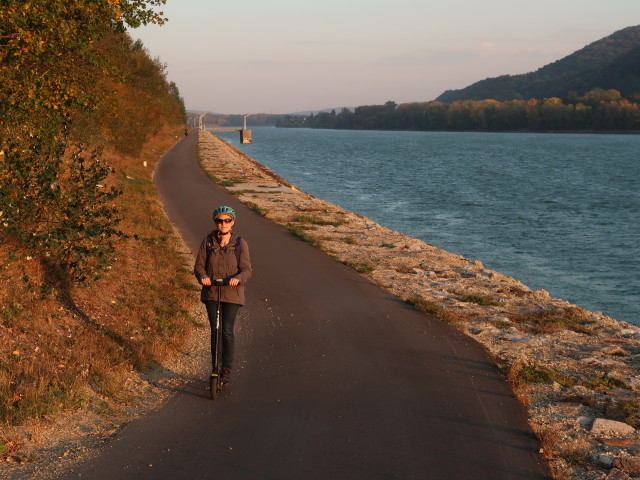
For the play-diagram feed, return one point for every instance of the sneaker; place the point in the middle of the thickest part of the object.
(226, 374)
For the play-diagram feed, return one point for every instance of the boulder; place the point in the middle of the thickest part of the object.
(628, 464)
(602, 425)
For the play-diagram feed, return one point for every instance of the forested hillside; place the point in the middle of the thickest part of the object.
(612, 63)
(597, 110)
(84, 114)
(594, 89)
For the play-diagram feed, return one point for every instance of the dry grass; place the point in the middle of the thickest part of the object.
(557, 319)
(524, 372)
(66, 348)
(445, 314)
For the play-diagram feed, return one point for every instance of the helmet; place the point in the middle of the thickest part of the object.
(224, 210)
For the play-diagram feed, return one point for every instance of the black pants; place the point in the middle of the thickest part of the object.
(229, 311)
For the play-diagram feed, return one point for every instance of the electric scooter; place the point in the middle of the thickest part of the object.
(215, 381)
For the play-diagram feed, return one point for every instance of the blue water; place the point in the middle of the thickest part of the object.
(559, 212)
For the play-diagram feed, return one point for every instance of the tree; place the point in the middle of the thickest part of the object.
(51, 196)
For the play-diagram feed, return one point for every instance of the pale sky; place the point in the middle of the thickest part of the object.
(284, 56)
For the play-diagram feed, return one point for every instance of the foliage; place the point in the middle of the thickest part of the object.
(63, 347)
(72, 77)
(596, 110)
(56, 204)
(48, 59)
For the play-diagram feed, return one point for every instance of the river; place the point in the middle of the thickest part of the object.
(556, 211)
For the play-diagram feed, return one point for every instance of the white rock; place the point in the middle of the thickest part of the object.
(604, 460)
(630, 332)
(584, 421)
(602, 425)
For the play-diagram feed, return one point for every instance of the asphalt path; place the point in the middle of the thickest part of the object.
(335, 378)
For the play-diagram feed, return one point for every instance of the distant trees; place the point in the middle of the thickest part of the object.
(72, 77)
(596, 110)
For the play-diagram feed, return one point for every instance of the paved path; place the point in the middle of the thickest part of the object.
(337, 379)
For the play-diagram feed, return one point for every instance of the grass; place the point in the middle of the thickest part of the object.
(605, 383)
(432, 308)
(349, 240)
(386, 245)
(239, 193)
(257, 208)
(301, 233)
(556, 319)
(360, 267)
(523, 372)
(230, 182)
(426, 306)
(315, 220)
(479, 299)
(69, 348)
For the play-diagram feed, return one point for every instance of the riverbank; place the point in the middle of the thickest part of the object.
(576, 371)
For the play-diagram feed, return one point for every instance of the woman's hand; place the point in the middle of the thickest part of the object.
(234, 282)
(206, 281)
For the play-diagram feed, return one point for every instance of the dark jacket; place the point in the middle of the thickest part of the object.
(230, 261)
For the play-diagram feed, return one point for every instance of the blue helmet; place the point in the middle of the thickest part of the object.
(224, 210)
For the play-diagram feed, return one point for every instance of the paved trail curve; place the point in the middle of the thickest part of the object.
(337, 379)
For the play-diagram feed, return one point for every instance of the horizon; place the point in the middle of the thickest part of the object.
(283, 57)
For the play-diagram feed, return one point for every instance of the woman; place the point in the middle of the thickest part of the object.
(223, 255)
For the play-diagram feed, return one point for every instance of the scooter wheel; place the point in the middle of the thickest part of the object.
(214, 386)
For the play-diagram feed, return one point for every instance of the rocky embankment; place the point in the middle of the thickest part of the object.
(577, 372)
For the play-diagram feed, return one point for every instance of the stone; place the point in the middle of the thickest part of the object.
(514, 338)
(578, 391)
(616, 474)
(628, 464)
(602, 425)
(584, 421)
(499, 319)
(604, 460)
(580, 400)
(569, 409)
(630, 332)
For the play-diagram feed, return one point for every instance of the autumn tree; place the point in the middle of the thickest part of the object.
(52, 198)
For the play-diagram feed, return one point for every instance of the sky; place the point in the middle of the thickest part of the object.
(287, 56)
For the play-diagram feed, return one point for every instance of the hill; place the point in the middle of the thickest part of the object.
(610, 63)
